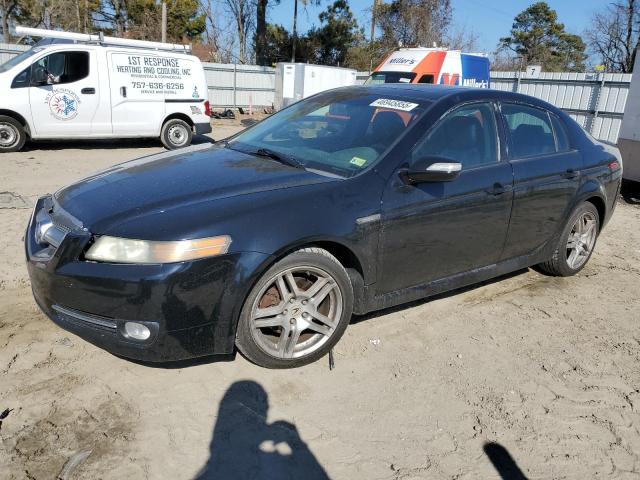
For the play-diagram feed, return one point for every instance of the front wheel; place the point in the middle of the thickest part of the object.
(176, 134)
(297, 311)
(12, 134)
(576, 244)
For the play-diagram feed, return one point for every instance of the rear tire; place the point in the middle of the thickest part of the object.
(176, 134)
(12, 134)
(285, 325)
(576, 243)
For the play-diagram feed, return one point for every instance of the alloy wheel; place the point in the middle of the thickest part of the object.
(296, 312)
(582, 239)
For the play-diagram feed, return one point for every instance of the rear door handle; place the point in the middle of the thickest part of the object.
(571, 173)
(123, 91)
(497, 189)
(88, 91)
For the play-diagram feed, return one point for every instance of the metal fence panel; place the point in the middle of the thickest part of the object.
(9, 50)
(595, 101)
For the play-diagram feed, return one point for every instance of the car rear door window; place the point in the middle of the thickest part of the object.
(529, 130)
(466, 135)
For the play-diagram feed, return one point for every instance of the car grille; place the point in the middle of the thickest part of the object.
(53, 223)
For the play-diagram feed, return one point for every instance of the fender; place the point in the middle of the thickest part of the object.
(347, 254)
(591, 188)
(18, 117)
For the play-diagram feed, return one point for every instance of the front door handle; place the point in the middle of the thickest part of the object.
(497, 189)
(571, 173)
(88, 91)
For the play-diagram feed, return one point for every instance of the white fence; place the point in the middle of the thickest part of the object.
(595, 101)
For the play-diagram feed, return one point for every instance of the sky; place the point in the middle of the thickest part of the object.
(489, 19)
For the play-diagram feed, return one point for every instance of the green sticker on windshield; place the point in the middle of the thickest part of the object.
(358, 161)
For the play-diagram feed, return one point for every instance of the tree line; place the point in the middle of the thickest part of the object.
(239, 31)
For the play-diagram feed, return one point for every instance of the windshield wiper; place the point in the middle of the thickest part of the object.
(278, 157)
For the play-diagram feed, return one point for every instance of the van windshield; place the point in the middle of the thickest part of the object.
(377, 78)
(8, 65)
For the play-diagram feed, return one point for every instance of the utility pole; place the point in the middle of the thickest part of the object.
(295, 32)
(164, 22)
(373, 21)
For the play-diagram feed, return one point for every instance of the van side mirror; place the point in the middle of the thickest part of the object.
(431, 169)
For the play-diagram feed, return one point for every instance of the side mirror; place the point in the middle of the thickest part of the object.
(432, 169)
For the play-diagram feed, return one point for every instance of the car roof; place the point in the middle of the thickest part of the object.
(434, 93)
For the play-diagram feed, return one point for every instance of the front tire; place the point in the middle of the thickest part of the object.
(576, 243)
(12, 134)
(176, 134)
(297, 311)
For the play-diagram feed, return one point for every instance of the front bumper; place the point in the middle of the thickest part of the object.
(191, 308)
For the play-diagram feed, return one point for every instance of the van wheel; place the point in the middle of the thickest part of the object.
(12, 134)
(175, 134)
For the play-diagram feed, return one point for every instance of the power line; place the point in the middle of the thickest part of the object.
(484, 5)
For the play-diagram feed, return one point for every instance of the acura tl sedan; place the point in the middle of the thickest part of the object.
(353, 200)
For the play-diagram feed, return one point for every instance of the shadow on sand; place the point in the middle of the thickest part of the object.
(245, 446)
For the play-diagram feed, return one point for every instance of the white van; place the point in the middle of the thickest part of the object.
(89, 86)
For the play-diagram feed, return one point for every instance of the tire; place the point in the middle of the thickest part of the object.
(176, 134)
(560, 264)
(296, 328)
(12, 134)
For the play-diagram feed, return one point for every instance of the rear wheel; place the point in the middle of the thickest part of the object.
(576, 244)
(12, 134)
(176, 134)
(297, 311)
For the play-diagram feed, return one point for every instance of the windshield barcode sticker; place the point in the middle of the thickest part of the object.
(394, 104)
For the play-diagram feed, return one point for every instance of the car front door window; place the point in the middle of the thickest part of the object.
(466, 135)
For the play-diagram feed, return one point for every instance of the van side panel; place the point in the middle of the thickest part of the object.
(475, 71)
(137, 96)
(451, 72)
(431, 64)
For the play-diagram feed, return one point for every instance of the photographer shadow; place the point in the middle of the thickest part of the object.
(246, 446)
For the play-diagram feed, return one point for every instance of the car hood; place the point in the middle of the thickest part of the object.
(160, 183)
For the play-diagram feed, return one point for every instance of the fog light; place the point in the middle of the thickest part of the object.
(137, 330)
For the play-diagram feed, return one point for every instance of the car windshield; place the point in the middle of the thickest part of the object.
(340, 132)
(8, 65)
(390, 77)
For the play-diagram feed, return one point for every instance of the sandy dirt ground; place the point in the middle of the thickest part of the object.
(527, 376)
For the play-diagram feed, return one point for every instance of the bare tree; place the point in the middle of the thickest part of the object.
(462, 38)
(413, 22)
(614, 35)
(243, 15)
(7, 11)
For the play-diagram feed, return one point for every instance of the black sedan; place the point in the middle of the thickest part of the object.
(350, 201)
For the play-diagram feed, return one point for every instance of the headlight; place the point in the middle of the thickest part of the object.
(125, 250)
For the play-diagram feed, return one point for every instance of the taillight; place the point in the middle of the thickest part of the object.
(613, 166)
(207, 108)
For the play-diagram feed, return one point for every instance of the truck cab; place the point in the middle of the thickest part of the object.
(64, 89)
(434, 66)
